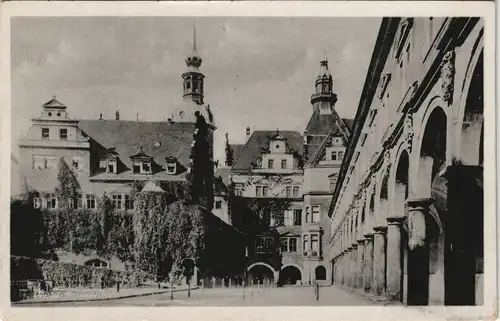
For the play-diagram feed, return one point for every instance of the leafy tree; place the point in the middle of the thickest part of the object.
(27, 228)
(151, 232)
(201, 171)
(68, 184)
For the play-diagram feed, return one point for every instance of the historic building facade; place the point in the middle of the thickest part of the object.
(292, 174)
(407, 213)
(109, 155)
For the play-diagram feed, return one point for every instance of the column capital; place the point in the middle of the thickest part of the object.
(380, 229)
(349, 248)
(418, 203)
(354, 245)
(396, 220)
(368, 236)
(361, 241)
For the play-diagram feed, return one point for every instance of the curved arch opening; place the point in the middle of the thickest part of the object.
(320, 273)
(259, 273)
(290, 275)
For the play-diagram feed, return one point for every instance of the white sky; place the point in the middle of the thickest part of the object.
(259, 71)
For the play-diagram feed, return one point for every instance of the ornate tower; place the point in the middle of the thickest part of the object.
(193, 78)
(323, 98)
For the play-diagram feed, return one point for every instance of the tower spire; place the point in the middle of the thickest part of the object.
(194, 36)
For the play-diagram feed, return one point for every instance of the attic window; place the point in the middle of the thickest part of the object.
(112, 166)
(141, 167)
(171, 166)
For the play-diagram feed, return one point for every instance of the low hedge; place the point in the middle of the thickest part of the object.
(71, 275)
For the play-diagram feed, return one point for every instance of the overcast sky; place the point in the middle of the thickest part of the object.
(259, 71)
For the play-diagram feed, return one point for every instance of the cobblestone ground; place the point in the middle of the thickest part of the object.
(287, 296)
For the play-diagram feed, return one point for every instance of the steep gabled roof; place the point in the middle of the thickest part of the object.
(340, 128)
(236, 149)
(319, 124)
(157, 139)
(259, 141)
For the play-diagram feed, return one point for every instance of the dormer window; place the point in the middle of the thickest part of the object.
(141, 167)
(171, 166)
(141, 163)
(112, 166)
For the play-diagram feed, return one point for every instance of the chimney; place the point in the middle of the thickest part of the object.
(137, 117)
(117, 115)
(100, 117)
(247, 131)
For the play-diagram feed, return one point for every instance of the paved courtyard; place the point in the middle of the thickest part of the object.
(287, 296)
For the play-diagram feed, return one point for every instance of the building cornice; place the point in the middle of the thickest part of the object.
(383, 44)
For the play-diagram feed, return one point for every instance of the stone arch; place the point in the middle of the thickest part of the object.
(431, 167)
(471, 117)
(290, 274)
(260, 272)
(260, 263)
(320, 273)
(427, 159)
(96, 262)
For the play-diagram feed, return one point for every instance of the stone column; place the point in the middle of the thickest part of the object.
(464, 233)
(368, 263)
(353, 265)
(360, 263)
(378, 286)
(344, 269)
(418, 252)
(394, 259)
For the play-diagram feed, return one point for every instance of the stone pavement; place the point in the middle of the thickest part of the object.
(287, 296)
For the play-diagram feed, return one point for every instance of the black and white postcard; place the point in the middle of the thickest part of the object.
(303, 160)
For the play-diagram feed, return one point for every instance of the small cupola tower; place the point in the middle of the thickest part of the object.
(323, 98)
(193, 78)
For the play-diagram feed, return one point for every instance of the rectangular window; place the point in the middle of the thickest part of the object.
(264, 245)
(265, 191)
(63, 133)
(297, 217)
(292, 244)
(268, 244)
(102, 164)
(171, 168)
(218, 205)
(258, 191)
(308, 214)
(341, 155)
(36, 202)
(284, 244)
(112, 166)
(283, 163)
(315, 214)
(45, 133)
(146, 167)
(39, 162)
(129, 202)
(288, 191)
(238, 189)
(314, 245)
(117, 201)
(136, 167)
(288, 217)
(270, 163)
(79, 201)
(90, 201)
(295, 191)
(51, 201)
(334, 155)
(305, 247)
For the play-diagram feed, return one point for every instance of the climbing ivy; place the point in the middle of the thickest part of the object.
(68, 184)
